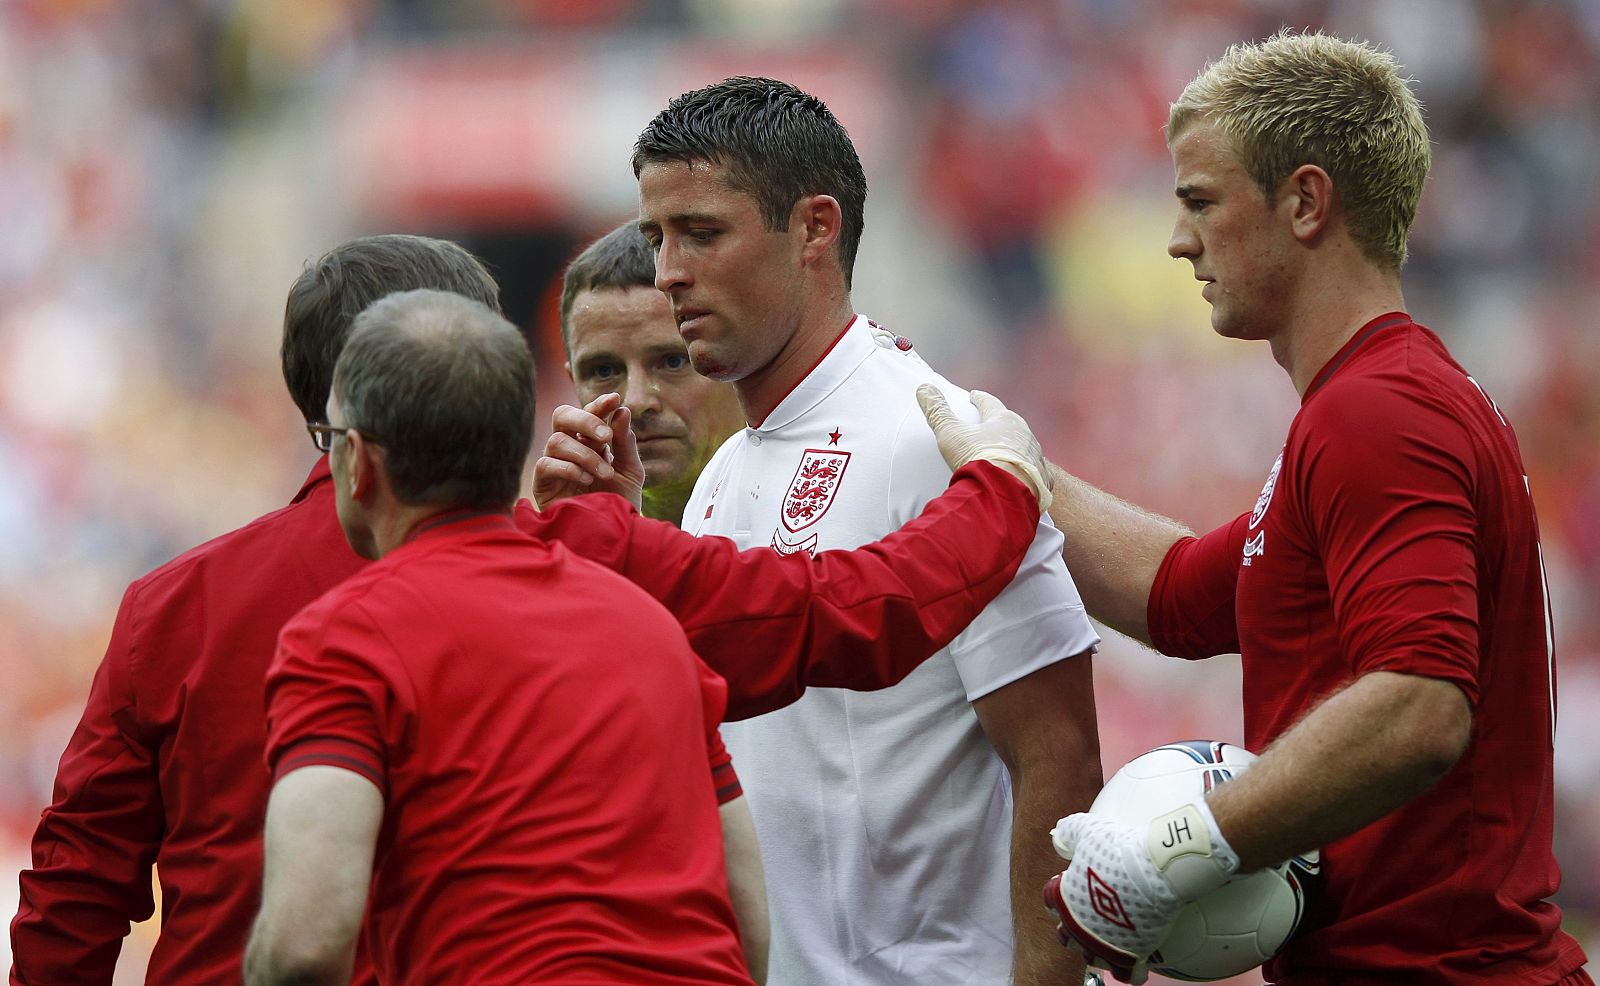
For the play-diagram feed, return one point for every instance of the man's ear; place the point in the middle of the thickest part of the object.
(1307, 196)
(363, 463)
(820, 218)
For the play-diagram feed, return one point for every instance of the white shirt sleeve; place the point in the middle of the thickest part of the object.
(1039, 618)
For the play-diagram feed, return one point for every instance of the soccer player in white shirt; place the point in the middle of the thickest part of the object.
(905, 832)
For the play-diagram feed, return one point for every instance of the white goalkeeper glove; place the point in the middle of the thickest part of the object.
(1000, 436)
(1125, 887)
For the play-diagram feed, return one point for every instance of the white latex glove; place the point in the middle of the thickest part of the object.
(1125, 887)
(1000, 436)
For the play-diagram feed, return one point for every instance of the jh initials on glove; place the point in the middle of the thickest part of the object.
(1125, 887)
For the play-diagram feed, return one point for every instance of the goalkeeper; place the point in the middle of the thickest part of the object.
(1385, 590)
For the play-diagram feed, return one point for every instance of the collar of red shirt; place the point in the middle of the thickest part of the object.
(460, 520)
(1385, 321)
(320, 473)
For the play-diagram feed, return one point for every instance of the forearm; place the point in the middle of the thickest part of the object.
(1043, 727)
(90, 879)
(94, 847)
(71, 920)
(1375, 745)
(747, 885)
(1113, 550)
(1040, 959)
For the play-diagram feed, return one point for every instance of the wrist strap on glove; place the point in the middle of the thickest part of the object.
(1030, 473)
(1188, 848)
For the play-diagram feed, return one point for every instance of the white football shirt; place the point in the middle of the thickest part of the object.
(884, 817)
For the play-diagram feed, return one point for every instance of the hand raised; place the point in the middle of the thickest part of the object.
(591, 449)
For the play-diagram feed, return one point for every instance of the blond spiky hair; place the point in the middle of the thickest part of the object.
(1299, 99)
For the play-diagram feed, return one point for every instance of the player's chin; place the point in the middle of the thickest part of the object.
(711, 365)
(1226, 325)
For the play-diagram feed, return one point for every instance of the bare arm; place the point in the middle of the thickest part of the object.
(1043, 727)
(1113, 550)
(321, 831)
(1375, 745)
(747, 884)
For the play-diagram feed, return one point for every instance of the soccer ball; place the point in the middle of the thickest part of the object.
(1244, 922)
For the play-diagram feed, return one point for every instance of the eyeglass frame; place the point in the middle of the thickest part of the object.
(318, 429)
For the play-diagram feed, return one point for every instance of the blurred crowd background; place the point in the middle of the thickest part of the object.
(168, 166)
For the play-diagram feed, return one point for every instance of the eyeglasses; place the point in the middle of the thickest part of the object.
(322, 434)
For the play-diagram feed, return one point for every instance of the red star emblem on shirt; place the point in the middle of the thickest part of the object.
(834, 436)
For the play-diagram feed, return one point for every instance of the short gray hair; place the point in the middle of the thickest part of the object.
(444, 386)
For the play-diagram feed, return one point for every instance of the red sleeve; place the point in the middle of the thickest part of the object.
(1387, 486)
(95, 844)
(327, 751)
(772, 624)
(723, 777)
(714, 700)
(1191, 609)
(329, 699)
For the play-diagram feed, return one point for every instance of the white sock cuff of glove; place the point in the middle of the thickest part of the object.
(1189, 850)
(1031, 476)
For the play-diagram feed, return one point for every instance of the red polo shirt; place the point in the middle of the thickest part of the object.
(539, 727)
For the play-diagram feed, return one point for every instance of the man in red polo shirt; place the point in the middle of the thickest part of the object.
(527, 729)
(165, 764)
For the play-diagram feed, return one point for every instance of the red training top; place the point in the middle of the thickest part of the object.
(165, 765)
(538, 727)
(167, 760)
(1396, 533)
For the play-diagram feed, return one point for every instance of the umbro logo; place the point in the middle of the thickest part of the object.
(1105, 900)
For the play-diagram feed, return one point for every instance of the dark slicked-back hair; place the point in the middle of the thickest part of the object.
(331, 292)
(620, 259)
(777, 143)
(444, 386)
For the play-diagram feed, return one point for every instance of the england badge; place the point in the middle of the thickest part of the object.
(812, 490)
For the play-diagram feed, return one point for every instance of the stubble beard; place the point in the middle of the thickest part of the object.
(708, 365)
